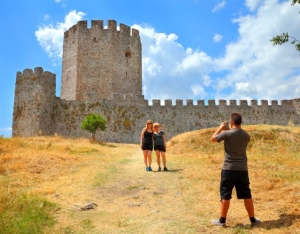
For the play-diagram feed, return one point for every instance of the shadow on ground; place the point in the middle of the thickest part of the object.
(285, 220)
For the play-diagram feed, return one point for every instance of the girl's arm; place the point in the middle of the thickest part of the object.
(142, 137)
(164, 138)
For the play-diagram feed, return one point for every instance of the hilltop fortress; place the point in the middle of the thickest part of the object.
(102, 74)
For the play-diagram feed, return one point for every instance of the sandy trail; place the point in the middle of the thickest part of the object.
(132, 201)
(143, 198)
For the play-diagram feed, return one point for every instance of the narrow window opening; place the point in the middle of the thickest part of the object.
(128, 54)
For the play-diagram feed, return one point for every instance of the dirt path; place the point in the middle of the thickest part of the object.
(133, 201)
(146, 201)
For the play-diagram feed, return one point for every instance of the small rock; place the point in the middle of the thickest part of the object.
(88, 206)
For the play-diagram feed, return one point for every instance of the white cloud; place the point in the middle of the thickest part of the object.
(244, 89)
(46, 17)
(217, 37)
(196, 61)
(219, 6)
(58, 1)
(169, 70)
(251, 67)
(50, 37)
(5, 129)
(199, 91)
(253, 4)
(257, 69)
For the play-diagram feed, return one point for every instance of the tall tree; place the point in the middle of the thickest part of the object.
(281, 39)
(92, 123)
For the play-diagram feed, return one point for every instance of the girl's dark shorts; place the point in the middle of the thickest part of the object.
(147, 146)
(160, 148)
(237, 179)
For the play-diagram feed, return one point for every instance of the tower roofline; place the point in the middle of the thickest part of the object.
(82, 26)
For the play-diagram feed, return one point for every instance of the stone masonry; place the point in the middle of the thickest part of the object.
(98, 62)
(101, 74)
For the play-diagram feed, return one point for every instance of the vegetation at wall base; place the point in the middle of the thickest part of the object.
(92, 123)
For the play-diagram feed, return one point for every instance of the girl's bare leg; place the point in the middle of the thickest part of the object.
(157, 157)
(145, 152)
(149, 156)
(163, 154)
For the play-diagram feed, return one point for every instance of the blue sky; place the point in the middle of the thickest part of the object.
(192, 49)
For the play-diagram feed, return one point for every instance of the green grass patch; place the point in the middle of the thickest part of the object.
(125, 161)
(25, 213)
(104, 175)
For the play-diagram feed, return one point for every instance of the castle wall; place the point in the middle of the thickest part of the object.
(33, 103)
(127, 115)
(98, 62)
(36, 108)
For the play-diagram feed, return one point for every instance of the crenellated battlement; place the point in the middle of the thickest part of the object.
(219, 103)
(201, 103)
(38, 72)
(98, 25)
(37, 77)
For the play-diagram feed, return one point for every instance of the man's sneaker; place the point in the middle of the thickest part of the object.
(150, 169)
(217, 223)
(165, 169)
(159, 169)
(257, 222)
(147, 169)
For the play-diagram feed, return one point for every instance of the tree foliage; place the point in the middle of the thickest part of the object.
(281, 39)
(92, 123)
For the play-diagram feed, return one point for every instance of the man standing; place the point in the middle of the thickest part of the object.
(235, 170)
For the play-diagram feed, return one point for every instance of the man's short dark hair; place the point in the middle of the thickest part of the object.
(236, 118)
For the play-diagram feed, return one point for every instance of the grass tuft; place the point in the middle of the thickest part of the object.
(25, 213)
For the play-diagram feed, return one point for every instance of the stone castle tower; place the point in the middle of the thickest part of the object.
(99, 62)
(102, 74)
(34, 99)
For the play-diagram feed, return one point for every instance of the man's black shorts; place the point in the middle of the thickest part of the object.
(237, 179)
(146, 146)
(160, 148)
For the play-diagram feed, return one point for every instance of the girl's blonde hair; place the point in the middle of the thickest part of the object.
(156, 124)
(149, 121)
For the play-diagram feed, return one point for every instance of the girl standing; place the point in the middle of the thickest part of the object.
(160, 146)
(146, 143)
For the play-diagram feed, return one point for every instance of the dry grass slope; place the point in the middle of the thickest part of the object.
(273, 160)
(73, 172)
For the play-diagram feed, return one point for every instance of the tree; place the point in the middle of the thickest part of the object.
(92, 123)
(281, 39)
